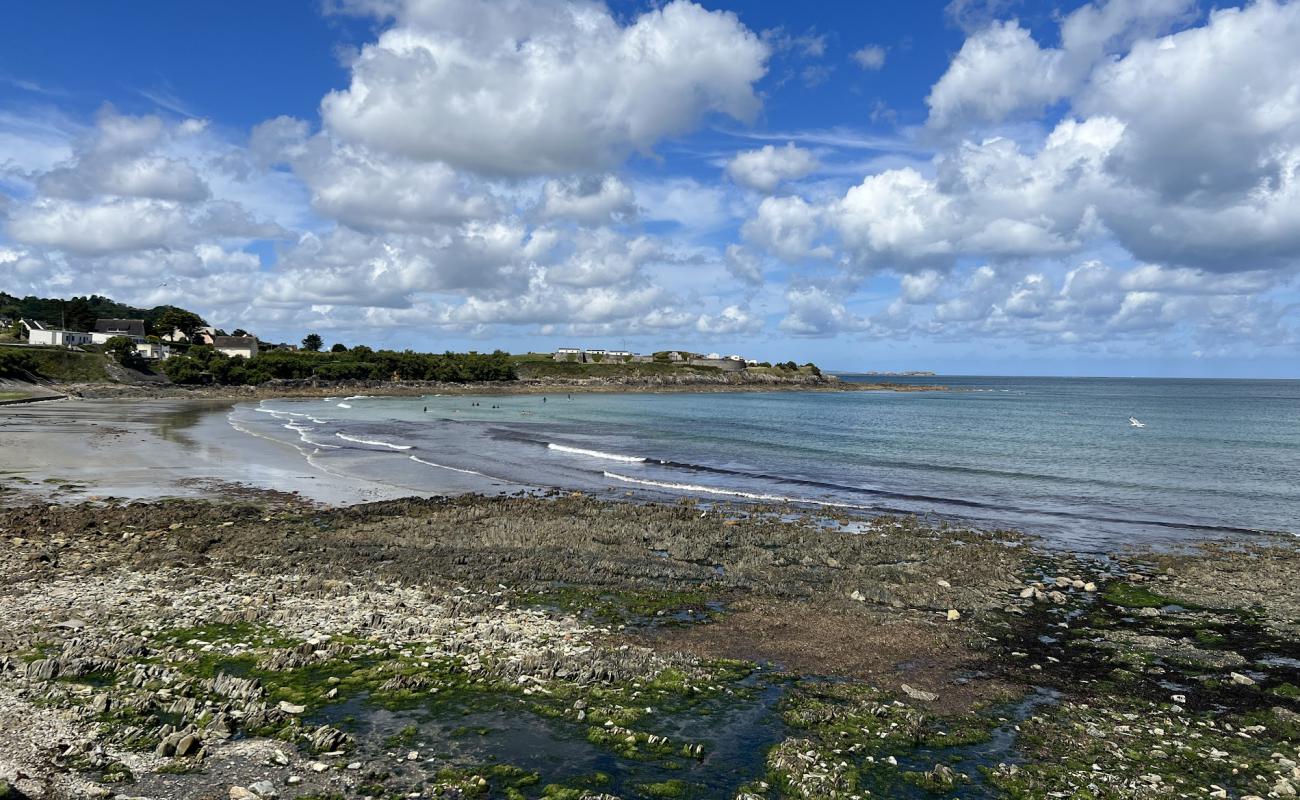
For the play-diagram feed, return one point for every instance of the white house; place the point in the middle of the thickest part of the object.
(106, 329)
(56, 338)
(232, 346)
(152, 351)
(735, 358)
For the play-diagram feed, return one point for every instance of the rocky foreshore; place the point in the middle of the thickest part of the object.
(692, 382)
(572, 648)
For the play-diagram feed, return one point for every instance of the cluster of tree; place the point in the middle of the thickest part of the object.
(80, 313)
(205, 365)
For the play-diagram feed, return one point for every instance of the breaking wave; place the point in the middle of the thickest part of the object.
(564, 448)
(444, 466)
(770, 498)
(373, 442)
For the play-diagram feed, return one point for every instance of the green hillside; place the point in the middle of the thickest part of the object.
(77, 313)
(51, 364)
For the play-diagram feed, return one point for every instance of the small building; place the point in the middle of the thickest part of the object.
(152, 351)
(733, 357)
(245, 346)
(568, 354)
(106, 329)
(57, 338)
(204, 335)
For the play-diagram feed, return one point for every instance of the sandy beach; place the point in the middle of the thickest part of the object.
(147, 449)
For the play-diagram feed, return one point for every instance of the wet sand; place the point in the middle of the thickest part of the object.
(74, 450)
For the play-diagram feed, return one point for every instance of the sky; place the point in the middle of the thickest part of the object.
(969, 187)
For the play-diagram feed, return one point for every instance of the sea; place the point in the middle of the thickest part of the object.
(1058, 457)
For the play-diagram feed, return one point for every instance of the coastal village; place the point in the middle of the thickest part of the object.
(153, 347)
(149, 348)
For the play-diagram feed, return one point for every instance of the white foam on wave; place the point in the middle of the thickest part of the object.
(278, 413)
(358, 440)
(444, 466)
(359, 397)
(695, 487)
(595, 453)
(344, 405)
(302, 432)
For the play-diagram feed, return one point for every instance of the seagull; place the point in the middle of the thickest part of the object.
(1135, 423)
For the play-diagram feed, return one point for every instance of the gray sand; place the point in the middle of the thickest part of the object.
(74, 450)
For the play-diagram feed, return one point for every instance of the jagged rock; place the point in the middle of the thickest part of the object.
(265, 790)
(919, 694)
(44, 669)
(188, 745)
(326, 739)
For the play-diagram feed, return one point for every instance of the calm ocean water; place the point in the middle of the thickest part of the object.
(1055, 456)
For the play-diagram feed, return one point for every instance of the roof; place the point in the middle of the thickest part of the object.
(129, 327)
(234, 341)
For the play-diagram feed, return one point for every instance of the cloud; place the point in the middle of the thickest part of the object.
(730, 321)
(131, 183)
(787, 227)
(744, 265)
(594, 200)
(817, 312)
(768, 167)
(1001, 70)
(544, 87)
(370, 191)
(869, 57)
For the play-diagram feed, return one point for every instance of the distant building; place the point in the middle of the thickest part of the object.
(152, 351)
(202, 335)
(232, 346)
(568, 354)
(57, 338)
(106, 329)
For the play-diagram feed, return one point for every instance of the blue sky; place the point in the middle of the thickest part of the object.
(975, 186)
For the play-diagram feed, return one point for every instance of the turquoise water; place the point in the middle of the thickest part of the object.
(1055, 456)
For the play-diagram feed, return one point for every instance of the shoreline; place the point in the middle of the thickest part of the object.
(291, 389)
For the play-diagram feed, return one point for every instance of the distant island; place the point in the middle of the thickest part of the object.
(912, 373)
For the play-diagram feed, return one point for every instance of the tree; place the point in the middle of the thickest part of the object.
(312, 342)
(178, 319)
(339, 347)
(239, 332)
(122, 350)
(183, 369)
